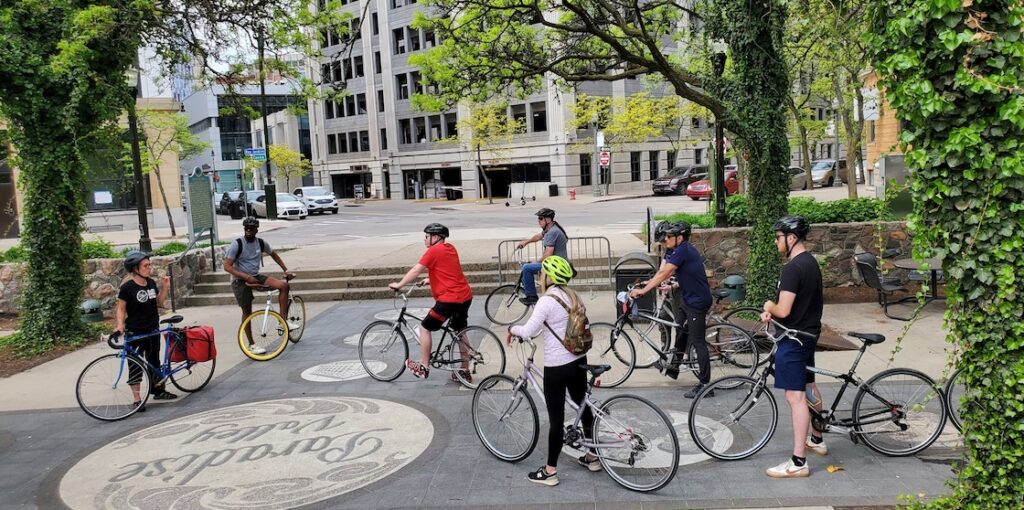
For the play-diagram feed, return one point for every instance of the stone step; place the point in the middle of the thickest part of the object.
(480, 292)
(310, 282)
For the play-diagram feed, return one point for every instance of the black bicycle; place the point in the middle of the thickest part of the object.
(897, 412)
(383, 349)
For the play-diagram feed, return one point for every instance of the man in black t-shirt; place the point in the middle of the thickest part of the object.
(799, 307)
(137, 312)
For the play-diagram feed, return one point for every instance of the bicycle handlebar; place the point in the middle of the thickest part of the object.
(789, 333)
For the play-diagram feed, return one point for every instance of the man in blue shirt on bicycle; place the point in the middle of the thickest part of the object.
(555, 243)
(693, 296)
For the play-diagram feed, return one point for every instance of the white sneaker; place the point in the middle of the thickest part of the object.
(789, 470)
(819, 448)
(255, 349)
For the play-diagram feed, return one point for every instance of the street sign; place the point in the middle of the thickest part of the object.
(606, 158)
(257, 154)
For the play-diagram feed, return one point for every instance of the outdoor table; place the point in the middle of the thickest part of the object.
(934, 265)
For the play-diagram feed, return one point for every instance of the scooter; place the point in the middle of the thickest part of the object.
(522, 199)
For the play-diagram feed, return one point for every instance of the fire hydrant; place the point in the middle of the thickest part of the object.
(572, 193)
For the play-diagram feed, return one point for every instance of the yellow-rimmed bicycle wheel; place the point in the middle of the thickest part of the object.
(269, 335)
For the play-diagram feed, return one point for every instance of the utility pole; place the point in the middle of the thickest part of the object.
(145, 244)
(721, 220)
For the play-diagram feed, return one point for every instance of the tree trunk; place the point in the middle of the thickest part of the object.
(487, 180)
(859, 125)
(167, 206)
(805, 148)
(845, 113)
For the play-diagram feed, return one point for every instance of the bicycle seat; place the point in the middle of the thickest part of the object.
(868, 338)
(597, 370)
(174, 319)
(262, 288)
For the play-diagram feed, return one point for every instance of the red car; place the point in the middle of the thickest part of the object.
(703, 189)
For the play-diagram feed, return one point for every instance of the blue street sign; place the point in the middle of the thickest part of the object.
(257, 154)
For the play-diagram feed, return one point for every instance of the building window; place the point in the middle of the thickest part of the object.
(435, 127)
(585, 170)
(354, 31)
(451, 125)
(540, 117)
(383, 139)
(428, 39)
(342, 143)
(417, 82)
(519, 115)
(405, 127)
(376, 62)
(380, 101)
(871, 131)
(361, 103)
(670, 158)
(358, 64)
(399, 36)
(332, 144)
(374, 25)
(828, 151)
(336, 71)
(414, 40)
(634, 166)
(353, 142)
(653, 165)
(364, 141)
(350, 105)
(328, 109)
(325, 72)
(698, 156)
(348, 69)
(402, 86)
(421, 130)
(396, 4)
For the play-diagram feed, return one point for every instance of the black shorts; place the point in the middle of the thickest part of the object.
(457, 312)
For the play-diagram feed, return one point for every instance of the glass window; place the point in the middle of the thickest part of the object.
(374, 25)
(417, 82)
(670, 159)
(405, 127)
(328, 109)
(428, 39)
(342, 143)
(348, 68)
(332, 144)
(364, 141)
(399, 37)
(653, 165)
(519, 114)
(383, 139)
(361, 103)
(634, 166)
(414, 39)
(402, 86)
(358, 64)
(540, 117)
(451, 125)
(353, 142)
(380, 101)
(585, 170)
(435, 127)
(350, 105)
(698, 156)
(421, 130)
(376, 62)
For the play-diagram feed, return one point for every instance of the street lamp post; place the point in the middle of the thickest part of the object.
(270, 187)
(721, 221)
(145, 245)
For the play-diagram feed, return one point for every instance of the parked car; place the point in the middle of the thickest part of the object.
(250, 198)
(288, 206)
(317, 199)
(857, 169)
(797, 178)
(677, 179)
(224, 203)
(704, 189)
(823, 171)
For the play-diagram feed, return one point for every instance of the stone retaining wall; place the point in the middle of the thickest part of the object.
(104, 277)
(726, 251)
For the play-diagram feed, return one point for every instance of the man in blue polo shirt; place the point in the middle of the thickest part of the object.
(693, 297)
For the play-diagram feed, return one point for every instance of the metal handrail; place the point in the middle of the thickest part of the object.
(176, 260)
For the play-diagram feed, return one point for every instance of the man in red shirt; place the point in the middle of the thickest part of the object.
(450, 290)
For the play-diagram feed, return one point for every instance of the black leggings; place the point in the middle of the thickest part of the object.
(149, 348)
(571, 377)
(693, 333)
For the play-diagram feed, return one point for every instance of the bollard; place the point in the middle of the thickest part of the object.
(572, 193)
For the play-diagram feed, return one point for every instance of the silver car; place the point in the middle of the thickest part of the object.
(797, 178)
(288, 206)
(824, 171)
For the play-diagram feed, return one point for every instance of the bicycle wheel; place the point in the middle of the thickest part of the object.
(733, 418)
(383, 350)
(649, 338)
(639, 447)
(899, 412)
(731, 351)
(269, 334)
(103, 390)
(614, 348)
(505, 418)
(480, 354)
(955, 390)
(297, 317)
(749, 318)
(192, 376)
(503, 305)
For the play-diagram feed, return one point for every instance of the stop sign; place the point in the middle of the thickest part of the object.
(606, 158)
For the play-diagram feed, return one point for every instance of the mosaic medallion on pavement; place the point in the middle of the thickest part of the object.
(338, 371)
(273, 454)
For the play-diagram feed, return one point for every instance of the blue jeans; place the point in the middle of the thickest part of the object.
(529, 270)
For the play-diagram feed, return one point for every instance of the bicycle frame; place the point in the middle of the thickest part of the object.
(435, 357)
(164, 370)
(531, 376)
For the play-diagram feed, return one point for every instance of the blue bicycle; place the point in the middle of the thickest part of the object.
(116, 386)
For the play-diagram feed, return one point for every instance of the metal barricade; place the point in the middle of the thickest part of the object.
(590, 256)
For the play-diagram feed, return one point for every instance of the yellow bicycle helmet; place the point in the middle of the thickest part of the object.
(558, 269)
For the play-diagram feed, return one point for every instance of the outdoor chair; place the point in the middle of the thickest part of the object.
(867, 265)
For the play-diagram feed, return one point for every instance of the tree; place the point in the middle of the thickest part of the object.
(487, 128)
(289, 164)
(954, 74)
(164, 133)
(492, 47)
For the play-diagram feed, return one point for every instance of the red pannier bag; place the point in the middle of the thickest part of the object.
(199, 345)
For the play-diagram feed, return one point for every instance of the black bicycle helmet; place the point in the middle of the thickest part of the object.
(545, 213)
(134, 258)
(661, 231)
(796, 225)
(250, 221)
(436, 229)
(684, 229)
(665, 229)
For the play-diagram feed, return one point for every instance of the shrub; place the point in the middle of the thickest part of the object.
(847, 210)
(98, 250)
(706, 220)
(14, 254)
(170, 248)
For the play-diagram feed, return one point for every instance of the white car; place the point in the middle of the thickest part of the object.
(288, 206)
(317, 199)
